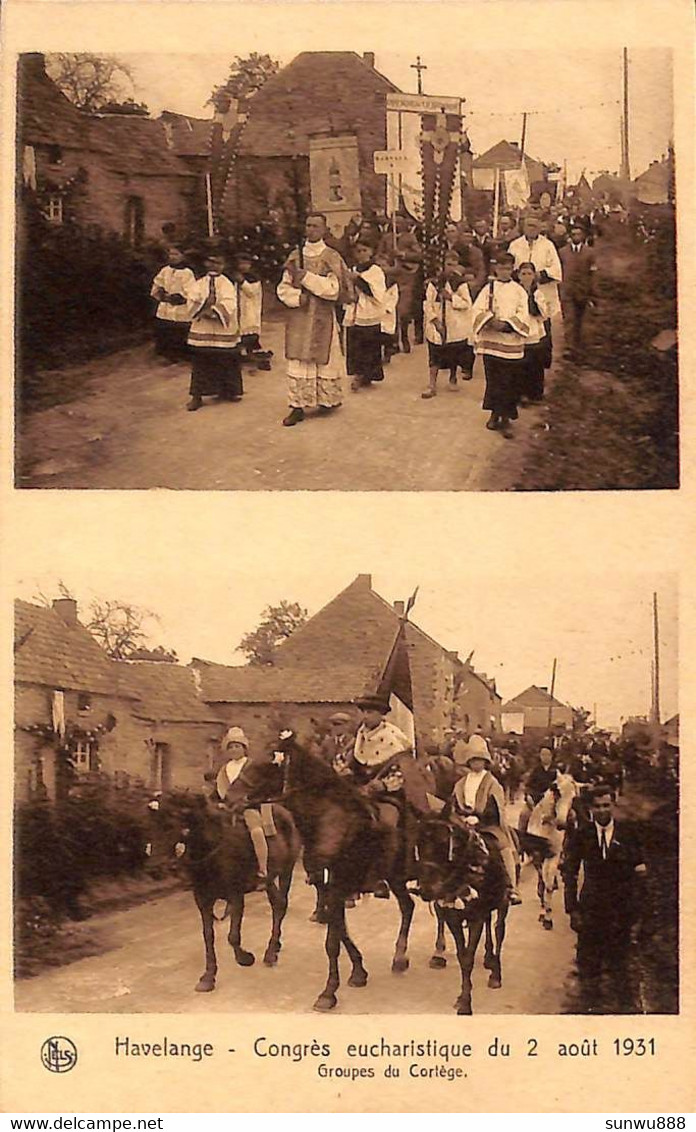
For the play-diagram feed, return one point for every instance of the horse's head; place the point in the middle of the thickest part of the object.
(301, 770)
(452, 859)
(566, 792)
(175, 818)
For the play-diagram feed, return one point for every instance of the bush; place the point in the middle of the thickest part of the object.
(77, 288)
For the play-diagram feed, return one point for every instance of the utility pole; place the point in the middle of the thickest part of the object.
(553, 686)
(524, 135)
(625, 157)
(656, 665)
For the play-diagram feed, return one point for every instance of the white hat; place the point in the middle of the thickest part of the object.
(235, 735)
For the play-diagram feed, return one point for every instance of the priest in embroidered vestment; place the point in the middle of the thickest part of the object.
(314, 279)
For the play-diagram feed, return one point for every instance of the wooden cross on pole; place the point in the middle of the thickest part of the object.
(418, 66)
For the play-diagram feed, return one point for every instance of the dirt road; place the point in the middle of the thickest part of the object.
(130, 430)
(153, 955)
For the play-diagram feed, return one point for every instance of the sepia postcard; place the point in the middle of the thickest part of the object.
(347, 587)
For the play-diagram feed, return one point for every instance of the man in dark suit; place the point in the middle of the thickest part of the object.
(484, 241)
(610, 901)
(579, 266)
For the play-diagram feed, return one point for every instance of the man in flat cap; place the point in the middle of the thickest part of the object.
(337, 745)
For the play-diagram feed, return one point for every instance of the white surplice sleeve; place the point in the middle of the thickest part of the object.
(288, 294)
(323, 286)
(461, 298)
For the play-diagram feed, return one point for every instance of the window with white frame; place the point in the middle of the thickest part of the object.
(82, 755)
(54, 209)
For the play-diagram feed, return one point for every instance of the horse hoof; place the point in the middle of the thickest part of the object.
(206, 983)
(437, 962)
(358, 979)
(495, 983)
(488, 964)
(462, 1007)
(325, 1002)
(541, 917)
(400, 965)
(270, 958)
(245, 958)
(548, 925)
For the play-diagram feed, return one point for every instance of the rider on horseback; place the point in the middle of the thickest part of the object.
(240, 786)
(383, 764)
(478, 793)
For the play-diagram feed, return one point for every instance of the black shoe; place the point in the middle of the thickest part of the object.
(324, 410)
(194, 404)
(493, 424)
(406, 346)
(294, 417)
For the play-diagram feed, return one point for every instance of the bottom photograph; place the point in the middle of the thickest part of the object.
(371, 794)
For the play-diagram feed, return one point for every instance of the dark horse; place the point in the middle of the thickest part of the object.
(345, 844)
(462, 873)
(216, 848)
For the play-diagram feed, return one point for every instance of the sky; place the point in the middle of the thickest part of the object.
(211, 587)
(573, 99)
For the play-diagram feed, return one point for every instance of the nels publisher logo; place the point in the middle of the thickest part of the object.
(59, 1054)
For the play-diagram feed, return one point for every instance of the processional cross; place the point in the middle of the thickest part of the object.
(418, 66)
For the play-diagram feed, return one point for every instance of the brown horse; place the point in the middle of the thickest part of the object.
(347, 846)
(463, 875)
(215, 847)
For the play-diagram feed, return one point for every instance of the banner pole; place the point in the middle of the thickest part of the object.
(496, 202)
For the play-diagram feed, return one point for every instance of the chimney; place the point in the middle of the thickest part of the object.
(365, 580)
(66, 608)
(399, 608)
(369, 59)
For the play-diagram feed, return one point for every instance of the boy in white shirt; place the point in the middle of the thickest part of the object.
(500, 329)
(250, 311)
(447, 316)
(171, 287)
(363, 319)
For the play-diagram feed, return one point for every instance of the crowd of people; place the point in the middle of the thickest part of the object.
(476, 778)
(353, 302)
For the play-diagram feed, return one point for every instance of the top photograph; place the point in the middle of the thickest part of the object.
(347, 270)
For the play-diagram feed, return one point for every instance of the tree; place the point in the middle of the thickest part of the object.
(247, 75)
(128, 106)
(119, 627)
(122, 629)
(91, 81)
(278, 622)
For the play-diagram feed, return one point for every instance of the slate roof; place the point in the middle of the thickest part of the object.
(46, 116)
(167, 693)
(128, 143)
(502, 154)
(253, 684)
(132, 144)
(186, 136)
(55, 655)
(295, 101)
(532, 697)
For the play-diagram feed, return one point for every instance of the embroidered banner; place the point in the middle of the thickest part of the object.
(334, 175)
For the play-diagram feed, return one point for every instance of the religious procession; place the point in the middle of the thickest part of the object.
(317, 269)
(543, 846)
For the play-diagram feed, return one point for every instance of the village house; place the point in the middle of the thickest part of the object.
(67, 697)
(179, 733)
(311, 129)
(132, 720)
(355, 645)
(121, 173)
(535, 712)
(654, 184)
(505, 155)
